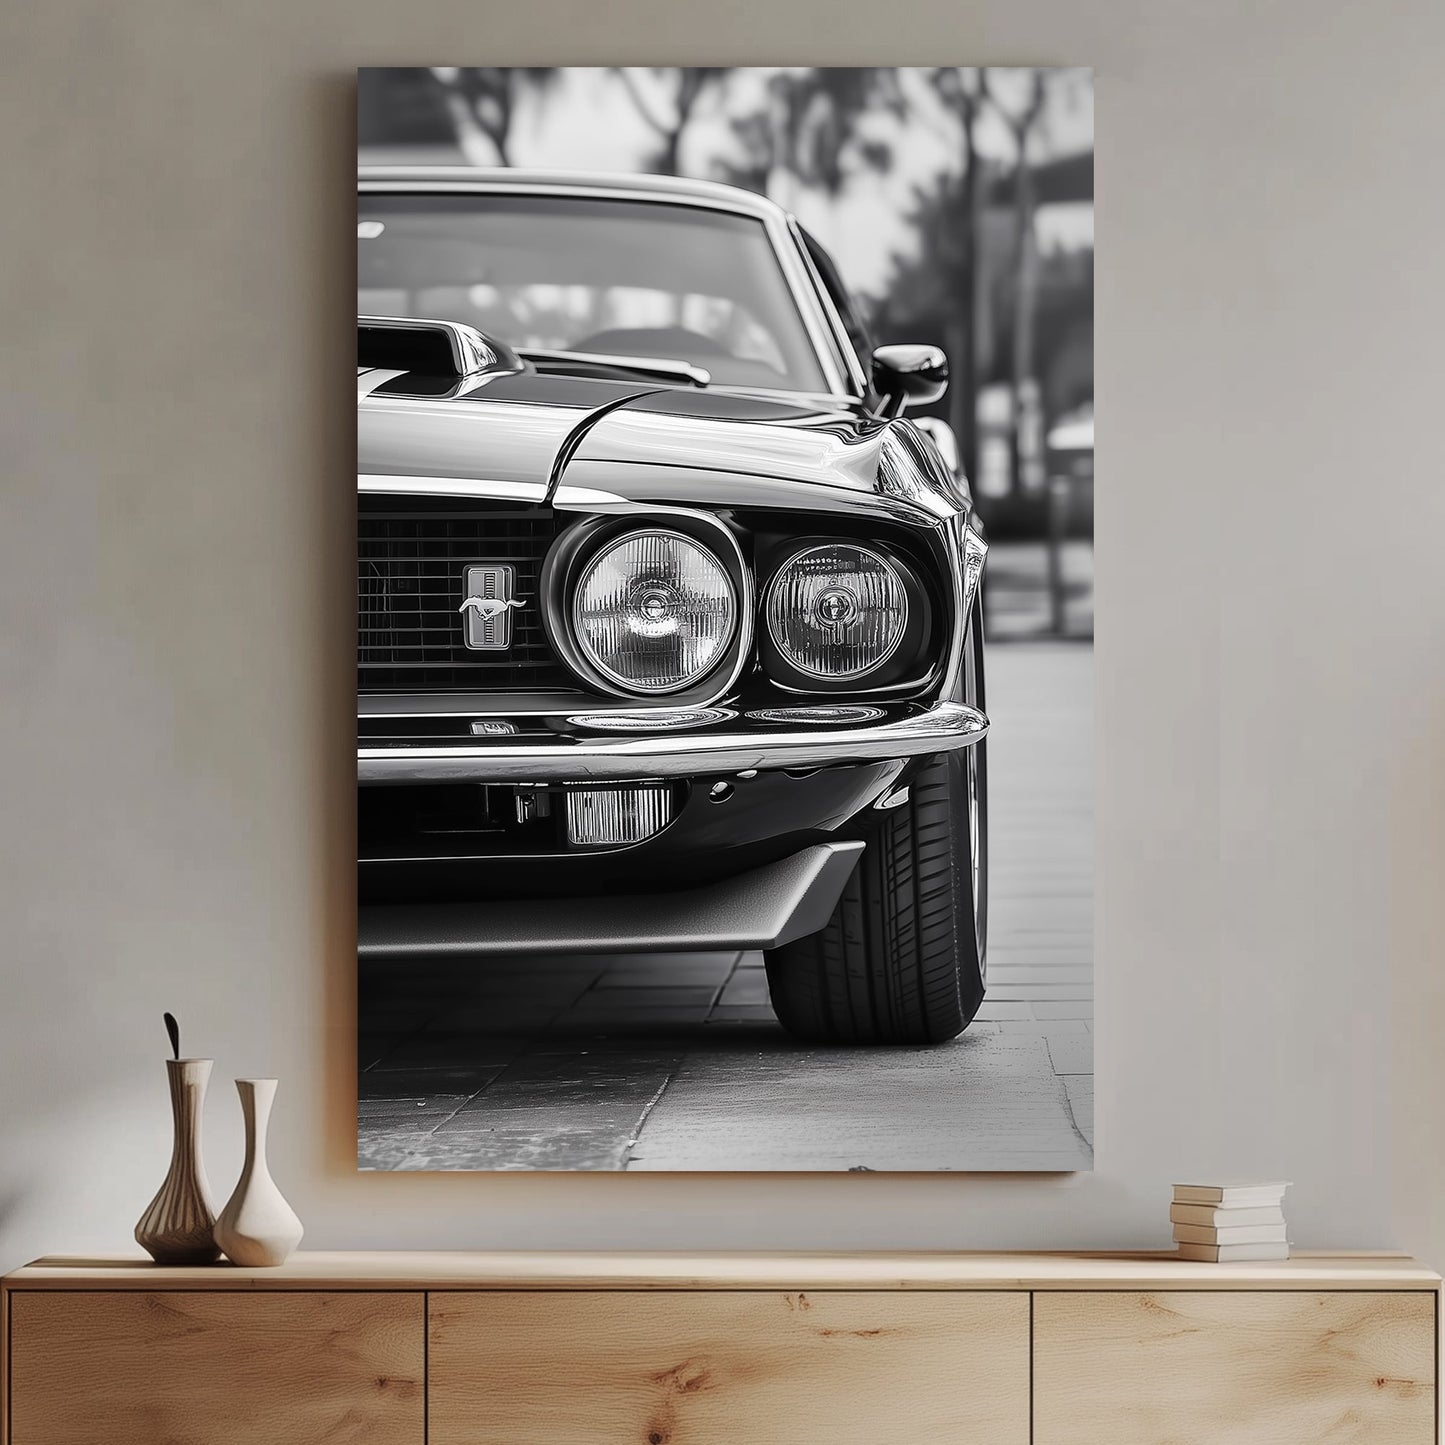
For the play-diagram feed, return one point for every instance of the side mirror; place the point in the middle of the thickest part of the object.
(909, 376)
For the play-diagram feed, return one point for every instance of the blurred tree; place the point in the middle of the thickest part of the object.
(1064, 343)
(960, 90)
(666, 97)
(1020, 115)
(756, 132)
(943, 291)
(810, 130)
(823, 112)
(482, 101)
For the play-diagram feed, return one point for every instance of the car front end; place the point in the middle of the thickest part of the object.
(671, 675)
(659, 623)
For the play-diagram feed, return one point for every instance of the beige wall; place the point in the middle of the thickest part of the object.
(176, 546)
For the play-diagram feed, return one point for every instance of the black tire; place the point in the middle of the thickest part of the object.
(902, 959)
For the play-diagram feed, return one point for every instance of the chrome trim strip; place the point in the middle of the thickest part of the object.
(368, 378)
(513, 704)
(795, 263)
(485, 489)
(713, 195)
(851, 360)
(944, 727)
(975, 550)
(966, 550)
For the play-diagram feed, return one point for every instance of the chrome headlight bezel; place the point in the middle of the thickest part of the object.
(578, 548)
(898, 667)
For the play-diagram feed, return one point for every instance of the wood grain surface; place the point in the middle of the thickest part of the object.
(734, 1269)
(1260, 1368)
(684, 1349)
(745, 1368)
(202, 1368)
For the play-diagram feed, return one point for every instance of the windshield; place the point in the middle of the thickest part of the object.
(567, 273)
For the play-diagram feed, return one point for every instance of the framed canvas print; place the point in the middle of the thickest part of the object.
(725, 618)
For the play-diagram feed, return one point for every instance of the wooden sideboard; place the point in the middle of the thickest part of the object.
(722, 1349)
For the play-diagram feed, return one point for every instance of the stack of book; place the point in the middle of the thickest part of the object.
(1229, 1222)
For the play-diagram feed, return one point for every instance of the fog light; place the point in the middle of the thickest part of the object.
(614, 817)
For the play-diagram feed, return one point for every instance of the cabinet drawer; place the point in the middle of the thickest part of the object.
(1234, 1368)
(663, 1368)
(216, 1368)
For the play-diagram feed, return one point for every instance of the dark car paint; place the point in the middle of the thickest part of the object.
(509, 428)
(514, 427)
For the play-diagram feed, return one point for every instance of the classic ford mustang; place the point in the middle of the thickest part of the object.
(669, 625)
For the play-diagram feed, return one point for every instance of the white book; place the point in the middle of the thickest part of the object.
(1218, 1216)
(1245, 1234)
(1233, 1253)
(1239, 1196)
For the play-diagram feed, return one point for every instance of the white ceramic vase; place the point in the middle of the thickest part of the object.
(257, 1227)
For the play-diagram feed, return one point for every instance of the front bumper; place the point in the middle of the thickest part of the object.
(762, 908)
(578, 758)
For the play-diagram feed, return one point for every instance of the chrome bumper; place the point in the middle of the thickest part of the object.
(941, 728)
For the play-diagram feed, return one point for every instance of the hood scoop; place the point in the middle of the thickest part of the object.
(445, 350)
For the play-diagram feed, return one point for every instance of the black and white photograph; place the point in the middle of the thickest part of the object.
(725, 592)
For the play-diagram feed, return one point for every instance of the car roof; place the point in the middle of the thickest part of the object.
(685, 191)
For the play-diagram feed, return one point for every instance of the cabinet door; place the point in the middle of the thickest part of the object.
(729, 1368)
(1234, 1368)
(216, 1368)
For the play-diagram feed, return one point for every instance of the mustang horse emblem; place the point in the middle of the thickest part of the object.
(487, 608)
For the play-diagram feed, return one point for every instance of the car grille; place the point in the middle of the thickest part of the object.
(411, 558)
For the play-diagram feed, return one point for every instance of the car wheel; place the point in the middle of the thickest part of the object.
(902, 959)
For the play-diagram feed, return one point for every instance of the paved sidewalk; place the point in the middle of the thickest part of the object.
(675, 1062)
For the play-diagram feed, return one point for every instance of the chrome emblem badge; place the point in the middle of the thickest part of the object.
(487, 607)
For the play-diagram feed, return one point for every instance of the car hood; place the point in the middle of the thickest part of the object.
(529, 428)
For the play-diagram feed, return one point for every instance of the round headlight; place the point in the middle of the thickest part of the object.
(654, 611)
(837, 611)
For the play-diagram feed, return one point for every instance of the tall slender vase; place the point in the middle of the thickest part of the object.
(257, 1227)
(178, 1226)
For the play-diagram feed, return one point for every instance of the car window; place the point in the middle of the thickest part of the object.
(628, 278)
